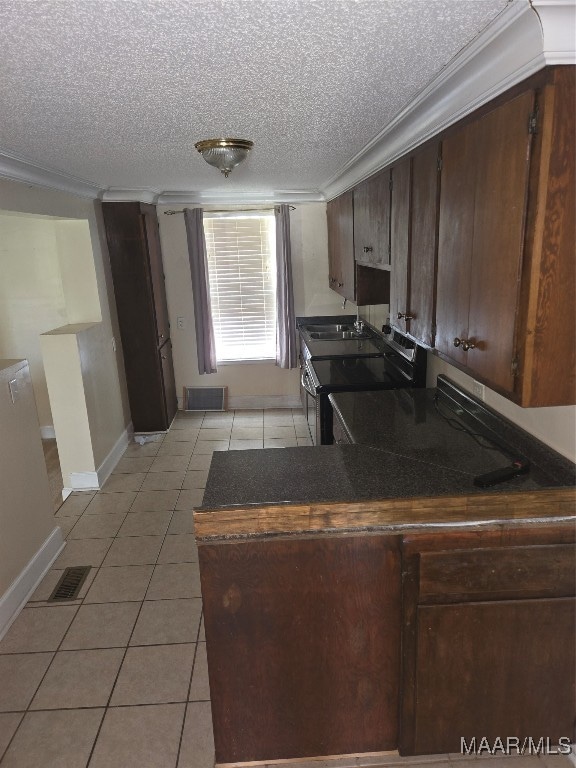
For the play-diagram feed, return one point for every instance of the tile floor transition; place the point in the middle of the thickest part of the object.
(118, 677)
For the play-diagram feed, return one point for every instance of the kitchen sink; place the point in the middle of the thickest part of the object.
(338, 335)
(327, 328)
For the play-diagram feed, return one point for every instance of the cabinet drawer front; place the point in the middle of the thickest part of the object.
(494, 574)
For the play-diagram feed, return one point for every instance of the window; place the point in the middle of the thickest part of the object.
(242, 274)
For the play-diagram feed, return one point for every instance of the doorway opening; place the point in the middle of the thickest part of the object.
(48, 281)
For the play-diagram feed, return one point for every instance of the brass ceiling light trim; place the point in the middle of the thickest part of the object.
(224, 154)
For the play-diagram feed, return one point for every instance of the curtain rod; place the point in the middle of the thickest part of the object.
(171, 213)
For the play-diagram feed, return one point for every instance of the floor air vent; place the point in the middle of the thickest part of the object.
(70, 583)
(205, 398)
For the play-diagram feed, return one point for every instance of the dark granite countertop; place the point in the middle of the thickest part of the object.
(413, 423)
(323, 474)
(405, 448)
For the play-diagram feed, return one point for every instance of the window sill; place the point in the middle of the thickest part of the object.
(259, 361)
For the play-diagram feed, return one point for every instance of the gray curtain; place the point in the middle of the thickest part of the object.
(286, 349)
(193, 218)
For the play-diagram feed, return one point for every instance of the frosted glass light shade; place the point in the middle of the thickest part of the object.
(224, 154)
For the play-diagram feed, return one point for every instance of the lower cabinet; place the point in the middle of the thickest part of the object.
(488, 643)
(348, 644)
(303, 643)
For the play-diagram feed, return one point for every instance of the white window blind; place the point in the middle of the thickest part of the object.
(241, 252)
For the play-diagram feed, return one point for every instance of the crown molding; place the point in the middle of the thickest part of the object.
(507, 52)
(247, 198)
(17, 168)
(558, 19)
(114, 195)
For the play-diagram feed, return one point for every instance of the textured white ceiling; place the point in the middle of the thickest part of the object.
(117, 91)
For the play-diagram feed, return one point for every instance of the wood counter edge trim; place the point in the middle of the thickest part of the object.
(342, 760)
(407, 514)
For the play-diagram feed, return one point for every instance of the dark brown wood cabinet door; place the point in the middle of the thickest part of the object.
(303, 646)
(400, 244)
(489, 630)
(168, 381)
(455, 237)
(424, 243)
(548, 360)
(152, 239)
(139, 305)
(372, 221)
(340, 213)
(503, 150)
(494, 670)
(333, 243)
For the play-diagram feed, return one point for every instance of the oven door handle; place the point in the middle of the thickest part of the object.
(303, 380)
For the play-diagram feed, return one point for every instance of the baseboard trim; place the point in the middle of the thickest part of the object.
(107, 467)
(17, 595)
(258, 402)
(93, 481)
(47, 433)
(84, 481)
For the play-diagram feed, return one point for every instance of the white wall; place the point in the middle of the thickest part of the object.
(29, 538)
(554, 426)
(109, 413)
(32, 297)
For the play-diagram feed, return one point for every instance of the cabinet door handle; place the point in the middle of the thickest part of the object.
(403, 315)
(466, 344)
(368, 249)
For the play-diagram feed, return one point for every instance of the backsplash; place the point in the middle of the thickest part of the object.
(375, 314)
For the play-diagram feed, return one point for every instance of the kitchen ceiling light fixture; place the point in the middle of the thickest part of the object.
(224, 154)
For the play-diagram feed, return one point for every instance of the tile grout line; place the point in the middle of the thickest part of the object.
(98, 568)
(189, 689)
(107, 706)
(131, 634)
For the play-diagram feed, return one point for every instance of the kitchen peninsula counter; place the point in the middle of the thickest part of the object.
(408, 454)
(291, 491)
(357, 599)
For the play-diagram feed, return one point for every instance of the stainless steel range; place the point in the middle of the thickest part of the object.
(359, 361)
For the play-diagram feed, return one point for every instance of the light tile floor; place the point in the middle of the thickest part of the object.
(118, 677)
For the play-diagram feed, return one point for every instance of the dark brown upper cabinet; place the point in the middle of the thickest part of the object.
(482, 210)
(413, 243)
(138, 278)
(424, 243)
(340, 214)
(505, 287)
(400, 210)
(363, 285)
(372, 222)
